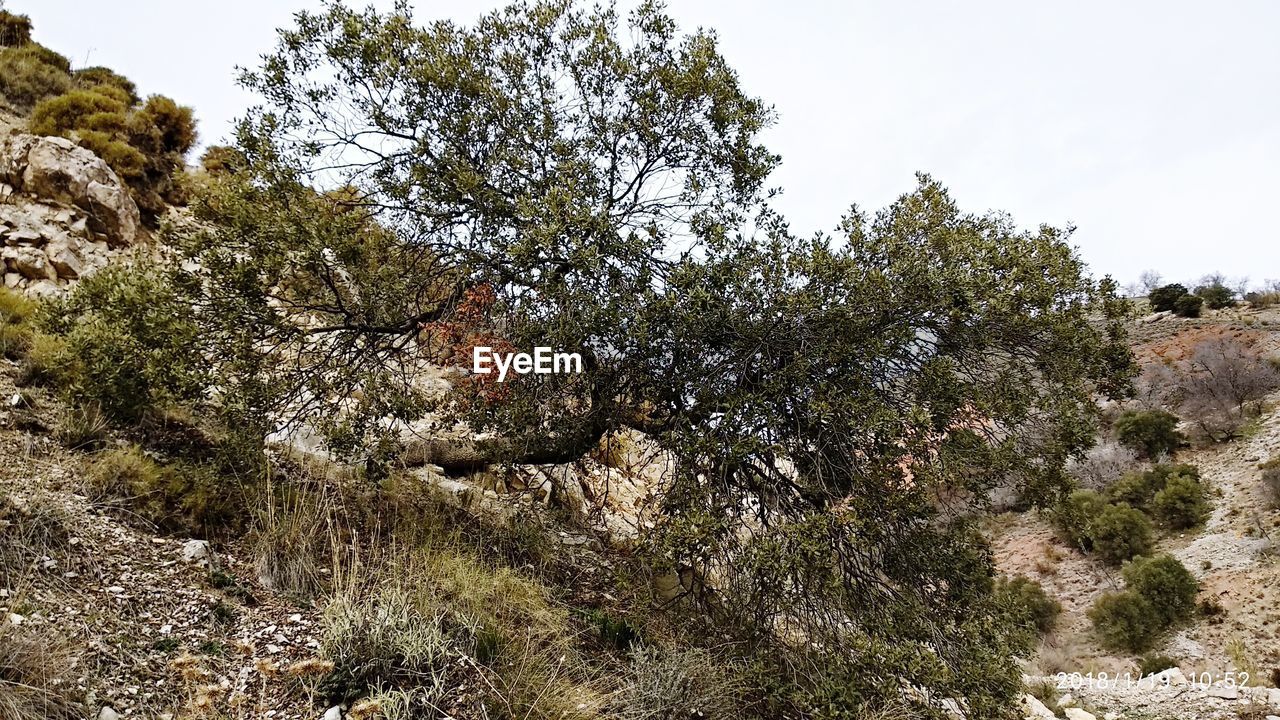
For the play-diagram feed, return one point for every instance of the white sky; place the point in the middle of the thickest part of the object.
(1152, 125)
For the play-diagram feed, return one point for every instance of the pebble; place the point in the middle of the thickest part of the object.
(107, 713)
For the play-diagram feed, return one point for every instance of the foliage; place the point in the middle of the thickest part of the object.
(1216, 296)
(1073, 516)
(144, 143)
(129, 342)
(1120, 532)
(1188, 306)
(28, 75)
(15, 30)
(1139, 489)
(1151, 432)
(559, 175)
(223, 159)
(1031, 607)
(673, 684)
(1153, 663)
(1271, 480)
(1159, 594)
(179, 498)
(1165, 298)
(291, 540)
(15, 332)
(1181, 504)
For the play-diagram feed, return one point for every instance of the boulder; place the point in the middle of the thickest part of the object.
(1078, 714)
(29, 262)
(64, 258)
(1033, 709)
(56, 169)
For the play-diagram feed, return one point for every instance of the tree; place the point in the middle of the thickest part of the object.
(1221, 385)
(1151, 432)
(1149, 280)
(1166, 297)
(536, 180)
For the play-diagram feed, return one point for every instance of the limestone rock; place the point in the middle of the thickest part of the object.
(196, 551)
(29, 262)
(56, 169)
(107, 713)
(1078, 714)
(1033, 709)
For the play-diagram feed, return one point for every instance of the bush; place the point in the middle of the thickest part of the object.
(1222, 384)
(1073, 516)
(1152, 664)
(1140, 489)
(662, 684)
(129, 342)
(290, 541)
(26, 77)
(15, 30)
(1150, 432)
(176, 498)
(1216, 296)
(1271, 480)
(37, 674)
(1125, 621)
(1160, 593)
(1164, 298)
(1181, 504)
(1030, 605)
(1188, 306)
(1119, 533)
(45, 361)
(1166, 583)
(29, 532)
(15, 335)
(77, 110)
(101, 76)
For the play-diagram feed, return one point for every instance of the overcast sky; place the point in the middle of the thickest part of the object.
(1152, 126)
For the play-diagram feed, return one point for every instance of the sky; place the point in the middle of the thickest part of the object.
(1152, 126)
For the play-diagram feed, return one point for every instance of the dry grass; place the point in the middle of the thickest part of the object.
(291, 541)
(27, 533)
(35, 668)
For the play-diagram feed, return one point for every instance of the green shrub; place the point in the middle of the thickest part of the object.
(1181, 504)
(15, 335)
(129, 342)
(1150, 432)
(1124, 621)
(1164, 298)
(1216, 296)
(1271, 480)
(1120, 532)
(45, 361)
(82, 427)
(1188, 306)
(76, 110)
(15, 30)
(1151, 664)
(26, 77)
(1073, 516)
(1159, 594)
(1166, 583)
(223, 160)
(1139, 489)
(1029, 604)
(176, 498)
(99, 76)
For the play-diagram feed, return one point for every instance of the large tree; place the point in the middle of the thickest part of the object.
(559, 176)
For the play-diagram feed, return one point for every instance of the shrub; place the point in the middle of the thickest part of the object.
(1120, 532)
(129, 342)
(1271, 480)
(1102, 464)
(1165, 297)
(1073, 516)
(15, 335)
(290, 540)
(1188, 306)
(1222, 384)
(36, 675)
(1166, 583)
(82, 427)
(176, 498)
(77, 110)
(99, 76)
(1150, 432)
(672, 683)
(1216, 295)
(15, 30)
(1181, 504)
(223, 160)
(29, 532)
(26, 77)
(1151, 664)
(1124, 620)
(45, 361)
(1029, 604)
(1140, 489)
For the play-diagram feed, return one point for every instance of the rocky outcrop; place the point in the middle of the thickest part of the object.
(63, 212)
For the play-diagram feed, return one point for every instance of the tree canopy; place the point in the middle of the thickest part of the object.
(561, 176)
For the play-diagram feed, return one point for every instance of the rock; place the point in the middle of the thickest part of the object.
(29, 262)
(56, 169)
(107, 713)
(1273, 717)
(1112, 716)
(1078, 714)
(1033, 709)
(1173, 676)
(16, 619)
(1066, 700)
(196, 551)
(64, 258)
(1226, 693)
(43, 288)
(333, 713)
(12, 280)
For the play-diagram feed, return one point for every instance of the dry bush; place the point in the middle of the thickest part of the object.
(1103, 464)
(1271, 480)
(1222, 384)
(35, 676)
(672, 684)
(291, 541)
(27, 533)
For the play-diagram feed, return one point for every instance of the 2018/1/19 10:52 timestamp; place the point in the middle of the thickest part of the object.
(1076, 681)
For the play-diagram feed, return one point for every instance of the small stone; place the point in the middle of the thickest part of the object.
(1078, 714)
(115, 589)
(196, 551)
(1226, 693)
(107, 713)
(16, 619)
(333, 713)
